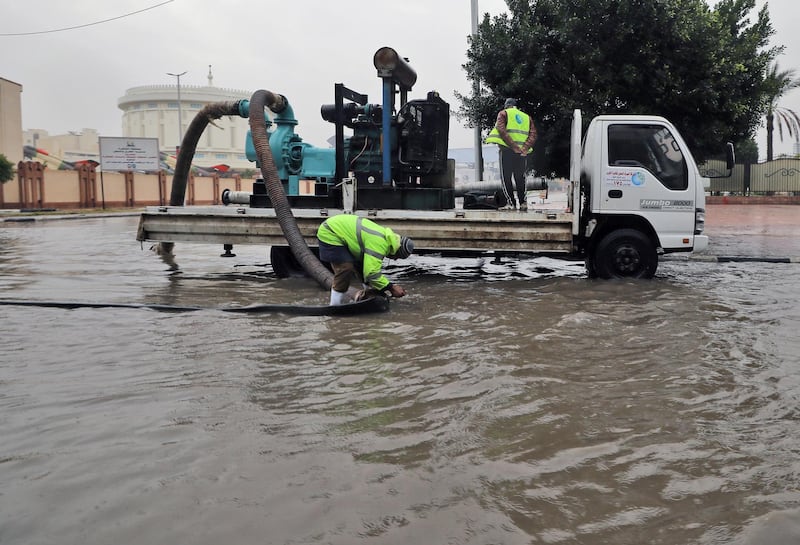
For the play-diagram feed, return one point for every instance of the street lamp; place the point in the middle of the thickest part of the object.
(476, 89)
(180, 118)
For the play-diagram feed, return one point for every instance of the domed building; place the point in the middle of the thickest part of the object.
(152, 111)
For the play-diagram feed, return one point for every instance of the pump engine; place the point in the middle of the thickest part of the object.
(397, 151)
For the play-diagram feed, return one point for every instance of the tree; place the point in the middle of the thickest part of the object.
(702, 68)
(746, 152)
(777, 83)
(6, 169)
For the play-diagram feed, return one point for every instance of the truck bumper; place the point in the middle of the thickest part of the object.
(700, 243)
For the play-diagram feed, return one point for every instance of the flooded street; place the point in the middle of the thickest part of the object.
(499, 403)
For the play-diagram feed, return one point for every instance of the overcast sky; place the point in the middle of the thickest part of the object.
(73, 79)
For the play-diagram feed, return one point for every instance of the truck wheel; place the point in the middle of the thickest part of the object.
(625, 253)
(283, 262)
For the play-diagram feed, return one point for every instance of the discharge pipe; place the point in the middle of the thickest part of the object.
(189, 145)
(183, 164)
(462, 188)
(235, 197)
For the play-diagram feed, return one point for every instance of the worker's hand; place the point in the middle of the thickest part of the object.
(519, 149)
(524, 151)
(397, 291)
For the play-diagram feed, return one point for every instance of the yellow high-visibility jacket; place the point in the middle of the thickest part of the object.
(518, 127)
(366, 241)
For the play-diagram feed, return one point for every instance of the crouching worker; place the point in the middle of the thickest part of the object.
(355, 248)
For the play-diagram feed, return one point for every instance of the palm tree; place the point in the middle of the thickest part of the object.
(776, 84)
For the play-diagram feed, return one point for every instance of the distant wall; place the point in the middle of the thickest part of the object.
(40, 187)
(777, 178)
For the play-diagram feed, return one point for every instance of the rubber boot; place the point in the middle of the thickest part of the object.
(337, 297)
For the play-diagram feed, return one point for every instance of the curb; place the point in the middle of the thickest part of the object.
(25, 219)
(743, 259)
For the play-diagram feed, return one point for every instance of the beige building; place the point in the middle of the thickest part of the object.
(11, 120)
(152, 111)
(70, 147)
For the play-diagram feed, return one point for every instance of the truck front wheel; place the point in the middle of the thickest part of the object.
(625, 253)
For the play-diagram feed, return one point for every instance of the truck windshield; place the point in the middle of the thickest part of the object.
(652, 147)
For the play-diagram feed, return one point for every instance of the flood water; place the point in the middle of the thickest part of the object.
(502, 403)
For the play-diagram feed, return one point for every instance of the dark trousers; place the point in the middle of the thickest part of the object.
(512, 165)
(343, 274)
(344, 265)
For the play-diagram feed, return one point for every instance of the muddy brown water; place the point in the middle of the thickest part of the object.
(508, 403)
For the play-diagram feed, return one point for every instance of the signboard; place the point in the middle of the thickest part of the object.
(129, 154)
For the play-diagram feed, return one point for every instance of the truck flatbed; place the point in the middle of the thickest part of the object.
(448, 231)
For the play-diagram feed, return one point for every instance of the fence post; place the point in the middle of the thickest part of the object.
(215, 189)
(746, 178)
(87, 186)
(31, 184)
(129, 193)
(190, 199)
(162, 188)
(22, 171)
(22, 177)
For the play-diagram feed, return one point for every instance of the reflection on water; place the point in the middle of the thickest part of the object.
(513, 402)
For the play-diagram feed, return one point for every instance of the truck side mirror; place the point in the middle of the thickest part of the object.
(730, 156)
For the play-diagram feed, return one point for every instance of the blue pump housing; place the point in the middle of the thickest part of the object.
(295, 160)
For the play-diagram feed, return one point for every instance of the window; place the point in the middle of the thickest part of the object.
(651, 147)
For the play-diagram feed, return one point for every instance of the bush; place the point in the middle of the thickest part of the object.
(6, 169)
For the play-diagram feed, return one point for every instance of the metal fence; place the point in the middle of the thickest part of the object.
(778, 177)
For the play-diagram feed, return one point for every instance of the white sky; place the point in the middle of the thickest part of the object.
(73, 79)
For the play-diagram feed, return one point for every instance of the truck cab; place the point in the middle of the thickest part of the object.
(640, 194)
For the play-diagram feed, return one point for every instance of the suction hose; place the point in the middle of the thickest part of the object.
(283, 211)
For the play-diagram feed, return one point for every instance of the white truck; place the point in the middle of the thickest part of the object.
(636, 193)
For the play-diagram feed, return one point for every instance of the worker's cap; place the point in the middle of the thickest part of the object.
(406, 248)
(510, 102)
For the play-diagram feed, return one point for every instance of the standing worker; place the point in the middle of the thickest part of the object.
(355, 248)
(515, 134)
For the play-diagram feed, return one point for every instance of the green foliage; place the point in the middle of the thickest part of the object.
(746, 152)
(6, 169)
(701, 68)
(777, 83)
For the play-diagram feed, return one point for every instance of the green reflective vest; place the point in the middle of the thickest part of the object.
(367, 241)
(518, 127)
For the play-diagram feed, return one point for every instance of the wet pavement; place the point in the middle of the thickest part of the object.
(514, 402)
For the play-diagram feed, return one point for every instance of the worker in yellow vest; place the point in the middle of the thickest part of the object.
(355, 248)
(515, 133)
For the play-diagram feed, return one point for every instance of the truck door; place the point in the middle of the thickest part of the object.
(646, 173)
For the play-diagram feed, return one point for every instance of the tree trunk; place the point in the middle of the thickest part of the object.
(770, 129)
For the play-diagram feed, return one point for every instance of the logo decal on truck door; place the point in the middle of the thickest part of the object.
(665, 204)
(624, 177)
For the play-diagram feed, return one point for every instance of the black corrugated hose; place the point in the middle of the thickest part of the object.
(283, 211)
(189, 145)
